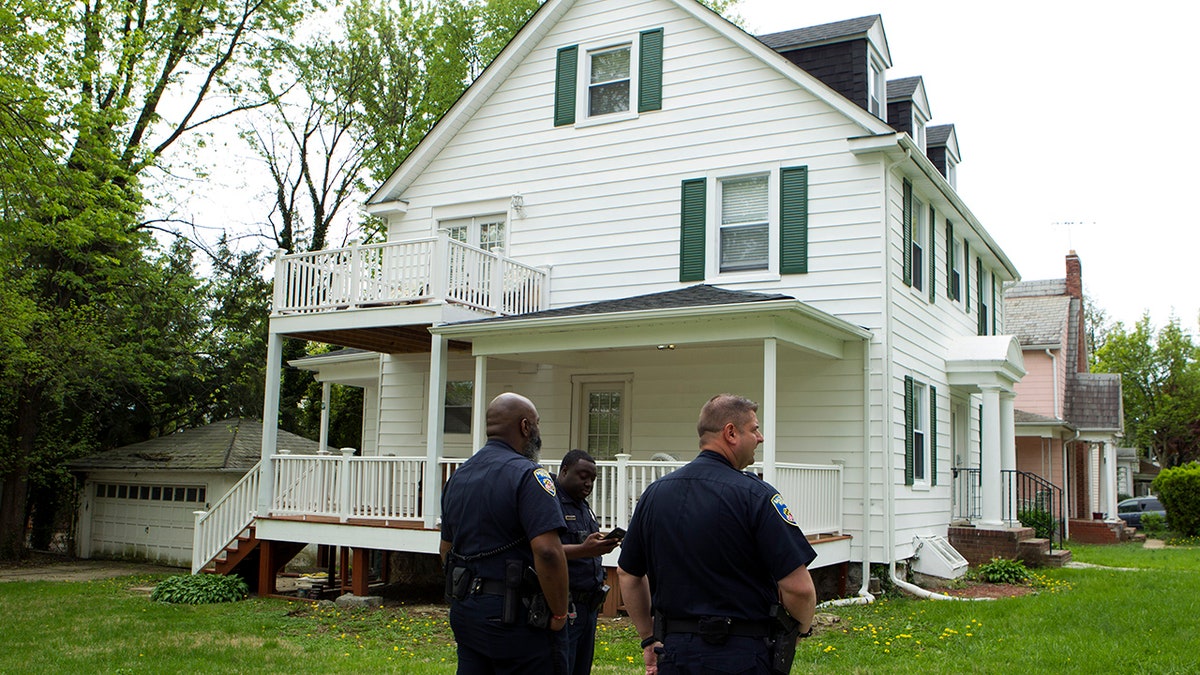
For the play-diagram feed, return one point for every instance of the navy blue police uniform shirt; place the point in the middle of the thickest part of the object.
(495, 498)
(714, 542)
(587, 574)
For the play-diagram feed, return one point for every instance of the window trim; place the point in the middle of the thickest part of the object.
(583, 117)
(917, 238)
(876, 88)
(713, 225)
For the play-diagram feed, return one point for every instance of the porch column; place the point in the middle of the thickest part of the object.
(1108, 482)
(1008, 454)
(326, 391)
(479, 405)
(991, 480)
(270, 425)
(431, 496)
(768, 417)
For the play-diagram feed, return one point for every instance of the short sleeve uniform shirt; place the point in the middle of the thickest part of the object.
(713, 541)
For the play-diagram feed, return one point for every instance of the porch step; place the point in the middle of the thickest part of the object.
(1099, 532)
(1059, 557)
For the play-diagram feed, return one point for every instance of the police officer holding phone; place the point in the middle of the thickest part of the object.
(506, 574)
(718, 555)
(583, 545)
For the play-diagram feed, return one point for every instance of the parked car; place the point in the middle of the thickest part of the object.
(1131, 510)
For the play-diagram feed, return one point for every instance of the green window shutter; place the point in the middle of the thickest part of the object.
(906, 235)
(650, 53)
(692, 226)
(932, 256)
(950, 261)
(966, 287)
(793, 220)
(995, 309)
(933, 435)
(908, 430)
(981, 324)
(564, 85)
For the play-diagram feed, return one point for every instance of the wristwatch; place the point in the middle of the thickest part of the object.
(646, 642)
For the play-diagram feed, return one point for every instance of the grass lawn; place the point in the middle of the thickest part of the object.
(1084, 621)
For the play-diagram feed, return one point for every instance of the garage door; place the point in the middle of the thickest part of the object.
(146, 521)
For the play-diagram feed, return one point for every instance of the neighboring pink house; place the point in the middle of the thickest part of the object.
(1068, 420)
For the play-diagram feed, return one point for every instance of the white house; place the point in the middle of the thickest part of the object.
(639, 205)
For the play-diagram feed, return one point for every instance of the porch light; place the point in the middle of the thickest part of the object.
(666, 348)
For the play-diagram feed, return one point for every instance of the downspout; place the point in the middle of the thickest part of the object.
(1054, 379)
(864, 596)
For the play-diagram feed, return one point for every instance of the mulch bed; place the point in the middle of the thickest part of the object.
(985, 590)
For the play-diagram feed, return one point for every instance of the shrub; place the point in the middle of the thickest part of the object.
(1178, 488)
(1040, 520)
(200, 589)
(1004, 571)
(1153, 524)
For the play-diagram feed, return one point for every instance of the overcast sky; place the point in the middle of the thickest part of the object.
(1066, 112)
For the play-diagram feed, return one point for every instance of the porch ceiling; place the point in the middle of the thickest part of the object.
(790, 321)
(384, 339)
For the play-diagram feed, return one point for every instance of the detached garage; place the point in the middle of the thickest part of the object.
(139, 500)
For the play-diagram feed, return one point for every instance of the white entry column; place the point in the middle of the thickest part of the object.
(1108, 480)
(991, 481)
(431, 498)
(1008, 456)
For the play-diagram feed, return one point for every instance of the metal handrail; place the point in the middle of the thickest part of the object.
(1025, 491)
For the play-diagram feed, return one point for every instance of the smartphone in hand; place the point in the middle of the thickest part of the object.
(616, 533)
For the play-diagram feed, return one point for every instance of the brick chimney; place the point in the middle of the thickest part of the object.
(1074, 276)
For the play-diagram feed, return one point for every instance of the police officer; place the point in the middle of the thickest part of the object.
(501, 521)
(583, 545)
(711, 549)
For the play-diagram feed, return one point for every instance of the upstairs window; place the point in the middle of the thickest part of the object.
(744, 224)
(614, 80)
(608, 80)
(917, 243)
(954, 280)
(981, 299)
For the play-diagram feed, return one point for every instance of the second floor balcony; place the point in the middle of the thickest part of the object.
(438, 270)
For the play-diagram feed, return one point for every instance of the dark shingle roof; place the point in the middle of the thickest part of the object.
(1037, 320)
(234, 444)
(701, 295)
(1093, 401)
(939, 135)
(902, 88)
(798, 37)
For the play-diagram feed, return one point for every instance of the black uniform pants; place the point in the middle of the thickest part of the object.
(488, 647)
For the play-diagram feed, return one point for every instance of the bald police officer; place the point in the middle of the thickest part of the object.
(711, 549)
(501, 522)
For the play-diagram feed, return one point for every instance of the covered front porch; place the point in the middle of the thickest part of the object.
(624, 380)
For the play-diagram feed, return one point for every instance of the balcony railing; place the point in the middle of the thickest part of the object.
(389, 488)
(407, 272)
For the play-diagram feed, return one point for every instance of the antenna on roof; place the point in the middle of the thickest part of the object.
(1066, 224)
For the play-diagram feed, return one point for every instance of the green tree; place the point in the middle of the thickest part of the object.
(1160, 379)
(96, 316)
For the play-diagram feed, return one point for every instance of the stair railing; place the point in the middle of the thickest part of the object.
(1026, 492)
(228, 517)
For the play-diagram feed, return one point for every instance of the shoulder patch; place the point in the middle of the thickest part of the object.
(783, 510)
(546, 480)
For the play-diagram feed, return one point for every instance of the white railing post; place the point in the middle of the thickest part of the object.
(496, 294)
(197, 541)
(622, 513)
(344, 484)
(281, 281)
(357, 268)
(439, 271)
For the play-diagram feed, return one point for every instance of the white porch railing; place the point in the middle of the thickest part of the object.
(401, 272)
(389, 488)
(227, 518)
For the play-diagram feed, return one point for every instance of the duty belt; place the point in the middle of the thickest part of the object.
(487, 586)
(717, 624)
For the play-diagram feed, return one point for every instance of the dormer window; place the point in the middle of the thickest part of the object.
(876, 90)
(919, 130)
(952, 173)
(608, 80)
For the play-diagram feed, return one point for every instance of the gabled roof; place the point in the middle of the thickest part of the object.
(540, 25)
(910, 89)
(234, 444)
(700, 295)
(838, 31)
(943, 136)
(1037, 321)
